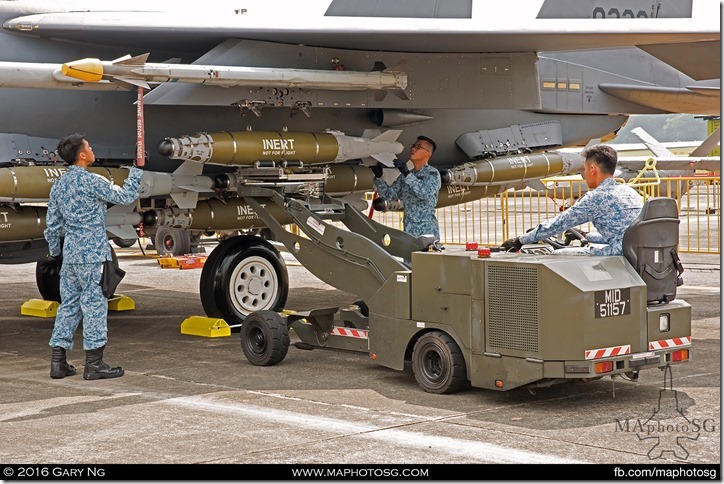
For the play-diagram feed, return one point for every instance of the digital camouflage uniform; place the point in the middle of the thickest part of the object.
(611, 207)
(418, 192)
(77, 211)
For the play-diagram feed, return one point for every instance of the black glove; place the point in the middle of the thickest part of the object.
(402, 166)
(573, 234)
(50, 259)
(512, 245)
(377, 170)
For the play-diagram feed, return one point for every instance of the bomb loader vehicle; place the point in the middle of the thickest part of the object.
(497, 322)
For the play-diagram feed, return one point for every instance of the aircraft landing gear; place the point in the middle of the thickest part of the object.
(243, 274)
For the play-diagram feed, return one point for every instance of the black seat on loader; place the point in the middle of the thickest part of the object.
(649, 244)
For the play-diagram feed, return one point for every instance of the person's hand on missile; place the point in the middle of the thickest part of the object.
(402, 166)
(512, 245)
(377, 170)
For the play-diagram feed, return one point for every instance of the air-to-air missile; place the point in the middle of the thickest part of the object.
(245, 148)
(136, 71)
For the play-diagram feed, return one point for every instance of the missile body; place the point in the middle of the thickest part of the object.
(27, 222)
(136, 71)
(489, 177)
(248, 147)
(31, 184)
(213, 214)
(24, 223)
(507, 169)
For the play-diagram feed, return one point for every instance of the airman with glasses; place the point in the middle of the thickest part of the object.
(417, 188)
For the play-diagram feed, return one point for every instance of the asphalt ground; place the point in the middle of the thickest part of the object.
(190, 399)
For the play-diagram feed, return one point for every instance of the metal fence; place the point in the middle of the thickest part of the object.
(492, 220)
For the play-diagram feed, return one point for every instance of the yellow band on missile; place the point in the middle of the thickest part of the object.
(89, 70)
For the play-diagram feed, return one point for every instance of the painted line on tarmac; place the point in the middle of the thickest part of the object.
(704, 289)
(455, 447)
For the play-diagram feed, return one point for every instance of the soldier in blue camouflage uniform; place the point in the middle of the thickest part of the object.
(77, 211)
(418, 189)
(609, 205)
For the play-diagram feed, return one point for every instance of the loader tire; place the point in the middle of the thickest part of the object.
(438, 363)
(264, 338)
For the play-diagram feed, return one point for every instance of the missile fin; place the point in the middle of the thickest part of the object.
(122, 231)
(394, 69)
(133, 61)
(389, 136)
(189, 168)
(400, 94)
(185, 199)
(380, 95)
(379, 66)
(125, 81)
(193, 188)
(386, 159)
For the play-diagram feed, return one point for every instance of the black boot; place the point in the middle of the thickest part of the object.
(96, 368)
(59, 367)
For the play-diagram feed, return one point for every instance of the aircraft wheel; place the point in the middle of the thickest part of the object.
(438, 363)
(172, 241)
(123, 243)
(242, 275)
(264, 338)
(47, 277)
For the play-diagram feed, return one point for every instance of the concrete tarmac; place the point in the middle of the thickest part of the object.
(193, 399)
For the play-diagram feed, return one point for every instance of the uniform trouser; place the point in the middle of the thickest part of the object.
(81, 298)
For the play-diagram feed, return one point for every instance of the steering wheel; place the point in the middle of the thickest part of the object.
(569, 236)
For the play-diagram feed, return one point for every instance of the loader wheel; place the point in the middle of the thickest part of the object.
(438, 363)
(264, 338)
(242, 275)
(172, 241)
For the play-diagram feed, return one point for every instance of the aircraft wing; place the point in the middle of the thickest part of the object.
(680, 163)
(700, 100)
(709, 144)
(393, 25)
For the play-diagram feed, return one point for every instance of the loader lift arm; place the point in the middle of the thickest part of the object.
(359, 260)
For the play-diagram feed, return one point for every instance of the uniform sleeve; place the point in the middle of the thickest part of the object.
(578, 214)
(54, 225)
(425, 188)
(112, 193)
(389, 192)
(596, 238)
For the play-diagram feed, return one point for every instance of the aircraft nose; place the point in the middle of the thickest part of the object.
(165, 147)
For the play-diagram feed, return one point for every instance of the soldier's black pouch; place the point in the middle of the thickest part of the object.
(111, 277)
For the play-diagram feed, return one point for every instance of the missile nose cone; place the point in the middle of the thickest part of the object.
(90, 70)
(165, 148)
(150, 219)
(445, 177)
(379, 204)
